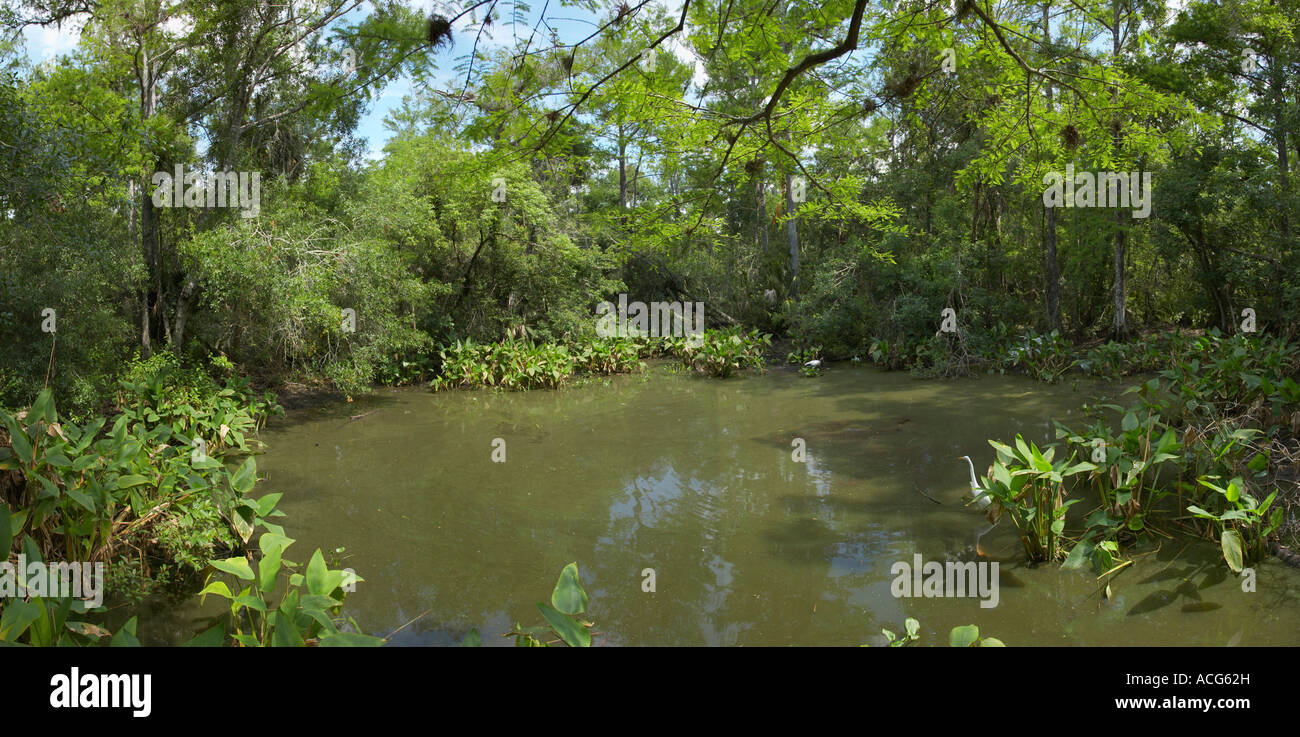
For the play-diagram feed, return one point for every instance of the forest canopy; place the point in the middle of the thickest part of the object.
(840, 173)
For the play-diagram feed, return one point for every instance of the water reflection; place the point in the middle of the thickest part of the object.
(695, 479)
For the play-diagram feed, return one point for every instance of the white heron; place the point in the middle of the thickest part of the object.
(981, 496)
(815, 363)
(984, 501)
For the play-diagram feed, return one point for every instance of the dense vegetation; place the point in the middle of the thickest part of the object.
(863, 179)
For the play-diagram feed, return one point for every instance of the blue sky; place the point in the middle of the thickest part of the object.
(572, 24)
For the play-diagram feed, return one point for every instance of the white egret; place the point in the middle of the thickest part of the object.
(984, 501)
(815, 363)
(981, 496)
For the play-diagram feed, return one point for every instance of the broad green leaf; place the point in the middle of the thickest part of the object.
(1233, 492)
(22, 447)
(963, 636)
(251, 602)
(285, 633)
(1079, 554)
(129, 480)
(80, 497)
(216, 587)
(17, 617)
(43, 408)
(568, 596)
(125, 637)
(566, 627)
(1025, 452)
(242, 480)
(321, 580)
(1231, 542)
(266, 504)
(234, 566)
(271, 542)
(214, 636)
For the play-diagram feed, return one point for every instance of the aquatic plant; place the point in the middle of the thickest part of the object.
(396, 370)
(602, 356)
(911, 633)
(309, 618)
(1043, 356)
(1224, 408)
(963, 636)
(85, 496)
(568, 600)
(1243, 523)
(509, 365)
(969, 636)
(721, 353)
(1027, 485)
(801, 356)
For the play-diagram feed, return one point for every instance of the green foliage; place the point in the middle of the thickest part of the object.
(44, 621)
(302, 618)
(607, 356)
(143, 485)
(964, 636)
(1219, 408)
(801, 356)
(567, 601)
(722, 353)
(969, 636)
(912, 633)
(1244, 523)
(1028, 486)
(1045, 357)
(509, 365)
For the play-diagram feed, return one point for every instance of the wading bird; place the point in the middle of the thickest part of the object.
(981, 496)
(815, 363)
(984, 501)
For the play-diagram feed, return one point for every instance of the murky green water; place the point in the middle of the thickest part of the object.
(694, 478)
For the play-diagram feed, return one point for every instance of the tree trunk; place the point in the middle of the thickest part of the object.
(1119, 323)
(1119, 320)
(1278, 94)
(1051, 269)
(622, 170)
(182, 310)
(792, 235)
(148, 215)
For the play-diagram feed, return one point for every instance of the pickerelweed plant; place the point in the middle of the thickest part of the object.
(1127, 463)
(568, 600)
(721, 353)
(301, 618)
(1043, 356)
(1029, 485)
(1243, 523)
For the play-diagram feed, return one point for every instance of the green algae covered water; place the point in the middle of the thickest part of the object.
(765, 510)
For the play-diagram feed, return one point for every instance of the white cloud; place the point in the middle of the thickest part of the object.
(47, 42)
